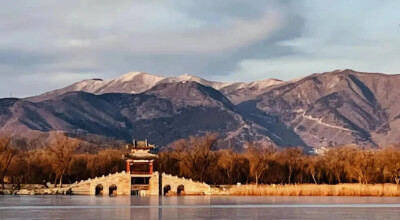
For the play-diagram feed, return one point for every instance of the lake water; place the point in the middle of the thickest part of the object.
(198, 207)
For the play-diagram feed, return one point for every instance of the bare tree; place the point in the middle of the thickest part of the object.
(390, 161)
(293, 157)
(360, 164)
(311, 166)
(227, 161)
(62, 149)
(7, 153)
(259, 155)
(195, 155)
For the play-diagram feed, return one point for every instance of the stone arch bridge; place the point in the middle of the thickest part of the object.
(177, 185)
(121, 184)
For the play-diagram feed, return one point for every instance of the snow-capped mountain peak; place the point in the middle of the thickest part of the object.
(138, 82)
(149, 78)
(188, 77)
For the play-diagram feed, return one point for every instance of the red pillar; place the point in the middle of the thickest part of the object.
(128, 166)
(151, 167)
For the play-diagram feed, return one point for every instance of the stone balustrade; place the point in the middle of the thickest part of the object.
(122, 181)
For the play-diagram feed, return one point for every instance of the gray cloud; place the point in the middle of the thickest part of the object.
(55, 43)
(49, 44)
(361, 35)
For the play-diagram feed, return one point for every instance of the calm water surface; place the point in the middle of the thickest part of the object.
(197, 207)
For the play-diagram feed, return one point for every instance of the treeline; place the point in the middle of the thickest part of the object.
(197, 158)
(57, 162)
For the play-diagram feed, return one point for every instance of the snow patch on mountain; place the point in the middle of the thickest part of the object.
(138, 82)
(189, 78)
(145, 78)
(88, 85)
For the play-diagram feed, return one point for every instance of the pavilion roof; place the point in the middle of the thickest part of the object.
(141, 156)
(140, 144)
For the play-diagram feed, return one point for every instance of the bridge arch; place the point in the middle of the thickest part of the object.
(180, 189)
(112, 190)
(166, 189)
(98, 190)
(169, 185)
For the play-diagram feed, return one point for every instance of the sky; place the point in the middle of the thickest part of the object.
(49, 44)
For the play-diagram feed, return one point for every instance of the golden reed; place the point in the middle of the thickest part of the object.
(317, 190)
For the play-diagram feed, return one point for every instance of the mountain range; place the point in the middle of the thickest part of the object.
(319, 110)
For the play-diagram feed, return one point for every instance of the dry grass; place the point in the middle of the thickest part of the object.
(317, 190)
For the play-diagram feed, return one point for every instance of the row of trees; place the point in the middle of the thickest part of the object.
(197, 158)
(56, 161)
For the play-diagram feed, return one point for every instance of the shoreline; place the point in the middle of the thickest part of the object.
(295, 190)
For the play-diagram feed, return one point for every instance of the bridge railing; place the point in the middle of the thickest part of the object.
(184, 179)
(97, 178)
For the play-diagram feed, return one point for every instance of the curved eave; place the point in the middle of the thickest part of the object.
(141, 157)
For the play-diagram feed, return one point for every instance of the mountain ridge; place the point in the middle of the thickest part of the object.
(320, 110)
(138, 82)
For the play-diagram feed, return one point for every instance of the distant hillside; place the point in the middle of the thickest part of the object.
(327, 109)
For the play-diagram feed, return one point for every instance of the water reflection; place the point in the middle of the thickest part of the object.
(189, 207)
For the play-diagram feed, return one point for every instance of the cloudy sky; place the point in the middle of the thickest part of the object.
(48, 44)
